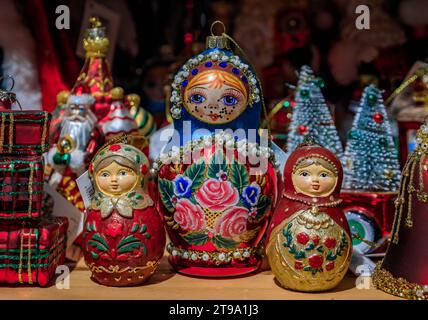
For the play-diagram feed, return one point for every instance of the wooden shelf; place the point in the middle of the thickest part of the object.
(166, 284)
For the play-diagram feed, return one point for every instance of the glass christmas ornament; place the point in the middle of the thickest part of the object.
(309, 242)
(124, 237)
(217, 181)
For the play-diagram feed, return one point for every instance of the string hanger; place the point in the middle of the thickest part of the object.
(8, 94)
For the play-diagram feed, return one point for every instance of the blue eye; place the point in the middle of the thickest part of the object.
(197, 98)
(122, 173)
(230, 100)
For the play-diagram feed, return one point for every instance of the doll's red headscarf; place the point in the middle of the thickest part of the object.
(305, 151)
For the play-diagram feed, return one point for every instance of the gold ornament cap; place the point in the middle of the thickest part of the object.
(96, 42)
(220, 42)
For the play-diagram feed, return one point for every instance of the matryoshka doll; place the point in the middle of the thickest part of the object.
(309, 243)
(217, 182)
(124, 237)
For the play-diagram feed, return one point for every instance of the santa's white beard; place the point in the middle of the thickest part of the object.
(79, 129)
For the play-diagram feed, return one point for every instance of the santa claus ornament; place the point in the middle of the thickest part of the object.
(404, 269)
(123, 237)
(216, 183)
(309, 244)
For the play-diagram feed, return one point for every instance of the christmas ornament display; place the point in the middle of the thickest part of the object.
(403, 271)
(217, 183)
(76, 138)
(408, 106)
(372, 171)
(23, 138)
(32, 252)
(309, 242)
(371, 159)
(124, 237)
(311, 116)
(32, 245)
(111, 106)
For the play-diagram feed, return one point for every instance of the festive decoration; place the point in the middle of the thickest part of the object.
(309, 243)
(31, 246)
(371, 159)
(24, 132)
(110, 105)
(372, 171)
(32, 252)
(76, 139)
(215, 200)
(279, 118)
(123, 237)
(403, 270)
(311, 116)
(408, 106)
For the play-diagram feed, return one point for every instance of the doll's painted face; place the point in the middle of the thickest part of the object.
(314, 177)
(215, 97)
(116, 179)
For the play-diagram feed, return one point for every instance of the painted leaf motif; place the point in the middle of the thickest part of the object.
(128, 243)
(224, 243)
(99, 238)
(218, 162)
(143, 228)
(196, 173)
(263, 206)
(133, 245)
(134, 227)
(94, 255)
(239, 176)
(166, 190)
(196, 238)
(127, 240)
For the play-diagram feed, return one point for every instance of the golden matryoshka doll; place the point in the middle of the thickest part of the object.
(218, 181)
(309, 242)
(124, 237)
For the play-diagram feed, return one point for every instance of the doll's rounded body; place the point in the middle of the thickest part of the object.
(123, 237)
(309, 242)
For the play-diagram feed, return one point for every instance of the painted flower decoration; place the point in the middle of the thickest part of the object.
(251, 194)
(330, 243)
(182, 186)
(114, 147)
(217, 195)
(189, 217)
(302, 238)
(222, 175)
(114, 229)
(232, 223)
(315, 261)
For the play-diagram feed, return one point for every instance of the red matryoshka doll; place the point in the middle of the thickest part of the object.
(124, 237)
(309, 244)
(217, 183)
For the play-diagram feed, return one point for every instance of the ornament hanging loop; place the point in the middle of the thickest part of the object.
(221, 24)
(8, 94)
(215, 41)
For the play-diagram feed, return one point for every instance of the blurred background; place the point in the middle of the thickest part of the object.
(152, 38)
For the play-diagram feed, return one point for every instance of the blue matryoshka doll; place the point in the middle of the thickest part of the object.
(217, 202)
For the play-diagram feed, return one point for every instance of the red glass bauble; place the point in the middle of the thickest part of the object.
(303, 129)
(378, 118)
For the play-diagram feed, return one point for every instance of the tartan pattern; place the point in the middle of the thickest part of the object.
(24, 132)
(32, 252)
(21, 187)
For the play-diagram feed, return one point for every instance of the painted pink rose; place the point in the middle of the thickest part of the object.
(232, 223)
(189, 217)
(217, 195)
